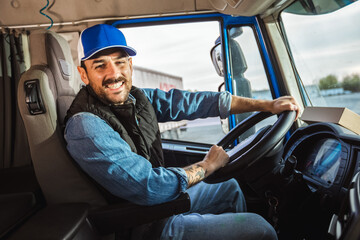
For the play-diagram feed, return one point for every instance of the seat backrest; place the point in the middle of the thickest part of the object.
(53, 79)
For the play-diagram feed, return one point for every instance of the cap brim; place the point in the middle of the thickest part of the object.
(129, 50)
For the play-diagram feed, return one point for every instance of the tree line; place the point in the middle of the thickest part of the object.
(350, 82)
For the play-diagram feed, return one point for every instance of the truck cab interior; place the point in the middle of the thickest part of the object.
(302, 176)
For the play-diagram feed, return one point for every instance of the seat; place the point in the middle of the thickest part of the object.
(45, 93)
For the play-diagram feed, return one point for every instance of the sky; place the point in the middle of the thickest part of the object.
(331, 45)
(181, 50)
(322, 45)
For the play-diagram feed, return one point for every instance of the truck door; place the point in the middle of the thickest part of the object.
(175, 52)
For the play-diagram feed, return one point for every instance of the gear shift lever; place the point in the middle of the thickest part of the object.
(289, 166)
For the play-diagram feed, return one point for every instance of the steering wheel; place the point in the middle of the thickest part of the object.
(254, 147)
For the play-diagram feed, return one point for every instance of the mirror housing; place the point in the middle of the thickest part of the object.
(216, 57)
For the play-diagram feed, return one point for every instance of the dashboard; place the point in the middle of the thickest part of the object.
(323, 162)
(327, 156)
(328, 161)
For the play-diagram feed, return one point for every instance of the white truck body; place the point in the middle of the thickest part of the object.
(147, 78)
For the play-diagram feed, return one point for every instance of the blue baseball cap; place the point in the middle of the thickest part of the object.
(100, 37)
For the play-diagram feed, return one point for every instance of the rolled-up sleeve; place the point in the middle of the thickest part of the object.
(108, 159)
(224, 104)
(176, 104)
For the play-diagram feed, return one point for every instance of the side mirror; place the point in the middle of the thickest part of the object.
(216, 57)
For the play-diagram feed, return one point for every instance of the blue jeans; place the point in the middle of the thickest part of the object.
(217, 212)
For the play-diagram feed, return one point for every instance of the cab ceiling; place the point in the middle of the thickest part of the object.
(23, 13)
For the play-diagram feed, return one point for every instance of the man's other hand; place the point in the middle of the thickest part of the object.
(214, 159)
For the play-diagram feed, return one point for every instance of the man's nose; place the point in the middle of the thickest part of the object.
(112, 70)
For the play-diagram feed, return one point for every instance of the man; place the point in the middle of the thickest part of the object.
(112, 133)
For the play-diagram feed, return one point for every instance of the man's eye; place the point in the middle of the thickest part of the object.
(121, 62)
(100, 66)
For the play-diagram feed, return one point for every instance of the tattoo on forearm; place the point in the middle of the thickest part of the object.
(195, 174)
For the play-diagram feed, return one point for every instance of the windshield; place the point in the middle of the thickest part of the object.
(326, 50)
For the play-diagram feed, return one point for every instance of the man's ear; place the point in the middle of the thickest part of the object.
(83, 75)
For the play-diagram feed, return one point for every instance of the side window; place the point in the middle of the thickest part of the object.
(247, 71)
(178, 56)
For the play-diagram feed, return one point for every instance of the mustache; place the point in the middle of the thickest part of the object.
(110, 81)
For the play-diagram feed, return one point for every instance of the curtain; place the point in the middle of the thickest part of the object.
(14, 148)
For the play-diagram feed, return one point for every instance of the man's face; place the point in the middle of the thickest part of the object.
(110, 76)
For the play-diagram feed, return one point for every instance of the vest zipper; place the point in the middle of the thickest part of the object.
(138, 128)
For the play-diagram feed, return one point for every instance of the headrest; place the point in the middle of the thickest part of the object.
(237, 58)
(49, 49)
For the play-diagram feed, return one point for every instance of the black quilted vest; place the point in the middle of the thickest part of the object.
(135, 121)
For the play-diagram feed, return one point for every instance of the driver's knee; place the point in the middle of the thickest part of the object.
(236, 197)
(258, 228)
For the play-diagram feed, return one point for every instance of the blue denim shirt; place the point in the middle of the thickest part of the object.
(108, 159)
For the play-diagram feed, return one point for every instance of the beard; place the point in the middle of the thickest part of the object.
(113, 91)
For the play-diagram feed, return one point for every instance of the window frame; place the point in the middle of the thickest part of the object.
(225, 23)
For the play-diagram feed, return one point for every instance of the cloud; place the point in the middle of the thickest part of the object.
(181, 49)
(331, 45)
(325, 44)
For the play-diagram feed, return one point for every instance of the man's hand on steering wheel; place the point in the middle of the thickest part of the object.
(215, 159)
(285, 103)
(263, 141)
(276, 106)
